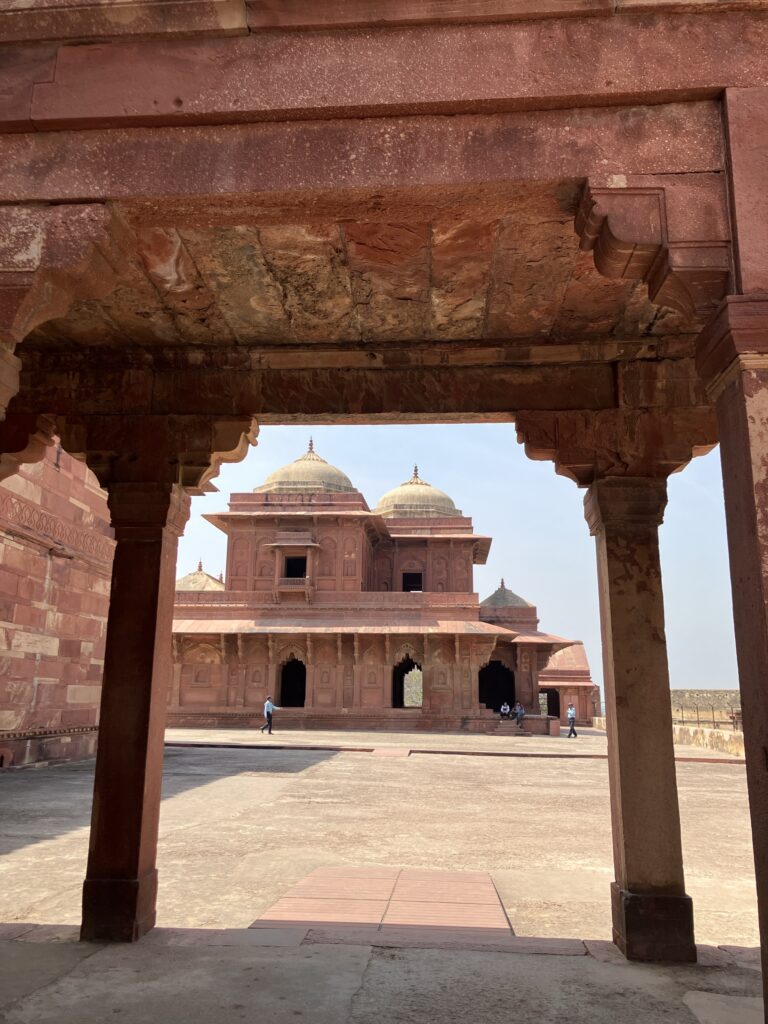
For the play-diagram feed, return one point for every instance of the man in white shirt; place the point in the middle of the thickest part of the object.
(571, 713)
(269, 707)
(505, 711)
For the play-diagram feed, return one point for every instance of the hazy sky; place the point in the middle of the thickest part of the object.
(541, 544)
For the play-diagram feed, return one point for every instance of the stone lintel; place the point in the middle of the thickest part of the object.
(92, 19)
(652, 927)
(735, 339)
(534, 64)
(625, 504)
(299, 160)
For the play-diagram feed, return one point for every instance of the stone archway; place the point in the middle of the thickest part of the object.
(399, 672)
(293, 684)
(497, 684)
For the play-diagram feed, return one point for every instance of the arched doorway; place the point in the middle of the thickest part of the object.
(497, 684)
(293, 684)
(553, 701)
(399, 672)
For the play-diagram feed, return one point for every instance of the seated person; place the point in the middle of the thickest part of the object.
(505, 710)
(519, 713)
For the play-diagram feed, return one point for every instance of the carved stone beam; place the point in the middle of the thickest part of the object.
(24, 439)
(670, 232)
(587, 446)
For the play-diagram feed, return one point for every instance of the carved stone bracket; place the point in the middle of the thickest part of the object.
(586, 446)
(670, 233)
(184, 450)
(24, 440)
(50, 256)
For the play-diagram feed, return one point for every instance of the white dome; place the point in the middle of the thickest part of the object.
(416, 499)
(307, 475)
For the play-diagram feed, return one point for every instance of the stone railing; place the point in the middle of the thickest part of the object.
(331, 598)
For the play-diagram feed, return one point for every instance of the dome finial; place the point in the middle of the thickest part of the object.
(311, 447)
(200, 565)
(502, 587)
(415, 472)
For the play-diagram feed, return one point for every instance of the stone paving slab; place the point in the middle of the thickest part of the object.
(443, 900)
(338, 910)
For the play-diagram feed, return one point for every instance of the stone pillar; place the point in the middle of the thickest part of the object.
(652, 915)
(120, 889)
(732, 355)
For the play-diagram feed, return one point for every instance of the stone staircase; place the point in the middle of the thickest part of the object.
(508, 727)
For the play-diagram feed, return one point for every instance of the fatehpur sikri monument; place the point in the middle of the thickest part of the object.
(222, 214)
(327, 606)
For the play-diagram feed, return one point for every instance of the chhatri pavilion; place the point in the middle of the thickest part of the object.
(356, 617)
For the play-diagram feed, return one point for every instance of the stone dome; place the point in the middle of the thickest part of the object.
(199, 580)
(416, 499)
(307, 475)
(504, 598)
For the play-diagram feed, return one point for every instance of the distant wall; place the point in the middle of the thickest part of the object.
(728, 741)
(55, 566)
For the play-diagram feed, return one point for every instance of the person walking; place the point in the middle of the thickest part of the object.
(519, 713)
(571, 714)
(269, 707)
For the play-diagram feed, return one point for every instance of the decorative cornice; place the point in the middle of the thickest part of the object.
(50, 531)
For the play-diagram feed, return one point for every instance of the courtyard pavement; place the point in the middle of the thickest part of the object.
(241, 826)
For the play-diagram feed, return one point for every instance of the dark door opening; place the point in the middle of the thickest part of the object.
(399, 672)
(412, 581)
(553, 701)
(497, 684)
(293, 684)
(295, 568)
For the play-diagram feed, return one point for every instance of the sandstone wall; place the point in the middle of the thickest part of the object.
(55, 565)
(728, 741)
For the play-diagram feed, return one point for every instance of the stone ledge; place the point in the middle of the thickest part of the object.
(81, 20)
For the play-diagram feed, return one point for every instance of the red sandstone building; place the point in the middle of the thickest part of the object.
(553, 213)
(328, 605)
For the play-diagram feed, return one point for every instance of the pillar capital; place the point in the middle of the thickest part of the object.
(735, 339)
(627, 504)
(147, 507)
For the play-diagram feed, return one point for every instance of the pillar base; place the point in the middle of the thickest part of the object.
(653, 928)
(118, 909)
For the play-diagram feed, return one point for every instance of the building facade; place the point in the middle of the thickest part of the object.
(329, 607)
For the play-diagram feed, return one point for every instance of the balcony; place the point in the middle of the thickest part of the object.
(294, 585)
